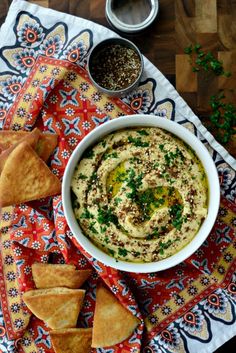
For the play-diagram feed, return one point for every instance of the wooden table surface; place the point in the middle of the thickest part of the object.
(212, 23)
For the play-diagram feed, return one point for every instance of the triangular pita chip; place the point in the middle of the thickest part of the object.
(46, 145)
(58, 307)
(8, 138)
(54, 275)
(73, 340)
(25, 177)
(113, 323)
(44, 148)
(32, 140)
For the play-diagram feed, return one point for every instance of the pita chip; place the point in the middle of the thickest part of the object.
(54, 275)
(113, 323)
(8, 138)
(73, 340)
(32, 140)
(44, 147)
(25, 177)
(58, 307)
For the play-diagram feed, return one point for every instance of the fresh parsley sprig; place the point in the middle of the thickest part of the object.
(205, 60)
(223, 115)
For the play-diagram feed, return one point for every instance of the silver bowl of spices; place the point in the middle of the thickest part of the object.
(115, 66)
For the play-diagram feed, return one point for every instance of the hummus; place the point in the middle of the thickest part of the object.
(140, 194)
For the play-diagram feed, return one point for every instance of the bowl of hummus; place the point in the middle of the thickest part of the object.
(140, 193)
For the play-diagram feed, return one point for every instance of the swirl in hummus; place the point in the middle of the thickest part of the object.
(140, 194)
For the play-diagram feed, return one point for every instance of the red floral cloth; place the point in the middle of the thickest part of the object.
(177, 307)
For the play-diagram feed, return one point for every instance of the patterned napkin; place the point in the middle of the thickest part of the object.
(44, 83)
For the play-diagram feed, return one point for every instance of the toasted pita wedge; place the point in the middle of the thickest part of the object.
(73, 340)
(45, 146)
(58, 307)
(112, 322)
(8, 138)
(31, 138)
(25, 177)
(50, 275)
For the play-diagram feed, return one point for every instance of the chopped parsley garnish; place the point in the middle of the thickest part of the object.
(175, 212)
(154, 234)
(82, 176)
(148, 202)
(122, 252)
(106, 239)
(170, 156)
(164, 246)
(138, 142)
(134, 183)
(111, 252)
(117, 200)
(159, 189)
(75, 202)
(136, 253)
(143, 132)
(91, 227)
(161, 147)
(92, 180)
(88, 154)
(110, 189)
(171, 191)
(110, 155)
(86, 214)
(93, 176)
(121, 177)
(105, 216)
(135, 159)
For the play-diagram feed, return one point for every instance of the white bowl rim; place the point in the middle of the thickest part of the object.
(132, 121)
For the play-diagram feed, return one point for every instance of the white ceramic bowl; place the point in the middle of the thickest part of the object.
(182, 133)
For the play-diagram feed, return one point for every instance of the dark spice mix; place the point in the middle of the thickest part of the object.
(115, 67)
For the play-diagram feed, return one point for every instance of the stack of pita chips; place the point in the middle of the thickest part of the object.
(58, 307)
(24, 175)
(57, 300)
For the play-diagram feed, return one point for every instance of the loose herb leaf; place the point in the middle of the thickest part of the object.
(223, 115)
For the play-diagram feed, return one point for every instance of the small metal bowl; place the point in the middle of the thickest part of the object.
(131, 16)
(100, 47)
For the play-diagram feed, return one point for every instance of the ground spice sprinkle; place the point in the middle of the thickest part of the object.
(115, 67)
